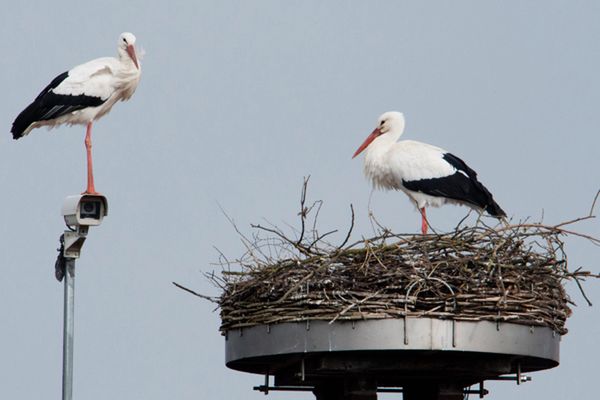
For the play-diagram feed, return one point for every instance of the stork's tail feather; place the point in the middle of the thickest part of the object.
(494, 210)
(484, 200)
(19, 127)
(44, 107)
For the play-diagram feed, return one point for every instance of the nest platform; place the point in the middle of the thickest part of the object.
(391, 352)
(436, 312)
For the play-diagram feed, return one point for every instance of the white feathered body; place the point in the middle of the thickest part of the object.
(388, 165)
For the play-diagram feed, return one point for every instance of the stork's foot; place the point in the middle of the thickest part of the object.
(90, 190)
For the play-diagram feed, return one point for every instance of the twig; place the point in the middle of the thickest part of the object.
(582, 291)
(209, 298)
(303, 210)
(349, 230)
(594, 203)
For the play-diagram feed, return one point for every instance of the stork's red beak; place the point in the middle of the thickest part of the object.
(376, 132)
(131, 52)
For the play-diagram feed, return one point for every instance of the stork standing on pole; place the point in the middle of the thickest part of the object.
(429, 175)
(83, 95)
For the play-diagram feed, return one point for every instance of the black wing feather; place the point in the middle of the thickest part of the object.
(462, 186)
(49, 105)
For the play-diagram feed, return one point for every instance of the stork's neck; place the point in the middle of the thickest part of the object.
(376, 167)
(127, 62)
(386, 140)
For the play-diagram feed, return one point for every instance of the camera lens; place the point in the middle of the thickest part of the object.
(90, 209)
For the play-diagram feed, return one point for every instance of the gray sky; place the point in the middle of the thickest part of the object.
(238, 101)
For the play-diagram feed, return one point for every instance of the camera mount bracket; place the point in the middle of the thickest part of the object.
(73, 242)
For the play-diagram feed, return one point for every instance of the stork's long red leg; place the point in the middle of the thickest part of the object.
(424, 224)
(90, 172)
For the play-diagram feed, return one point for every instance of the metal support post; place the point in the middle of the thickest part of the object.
(80, 212)
(68, 329)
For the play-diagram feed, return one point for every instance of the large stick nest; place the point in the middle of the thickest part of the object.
(512, 273)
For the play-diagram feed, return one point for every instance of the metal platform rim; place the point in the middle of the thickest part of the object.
(257, 343)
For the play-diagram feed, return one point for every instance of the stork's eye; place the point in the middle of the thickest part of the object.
(124, 40)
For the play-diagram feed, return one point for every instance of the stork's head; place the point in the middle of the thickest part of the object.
(127, 47)
(391, 120)
(391, 123)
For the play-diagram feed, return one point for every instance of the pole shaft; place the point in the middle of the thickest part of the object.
(68, 329)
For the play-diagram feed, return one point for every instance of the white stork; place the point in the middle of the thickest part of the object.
(83, 95)
(429, 175)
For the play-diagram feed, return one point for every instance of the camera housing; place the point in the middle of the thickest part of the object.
(84, 209)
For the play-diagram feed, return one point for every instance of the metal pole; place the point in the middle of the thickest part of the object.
(68, 329)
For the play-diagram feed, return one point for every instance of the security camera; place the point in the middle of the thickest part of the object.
(84, 209)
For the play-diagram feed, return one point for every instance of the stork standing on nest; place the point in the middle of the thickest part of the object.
(84, 94)
(429, 175)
